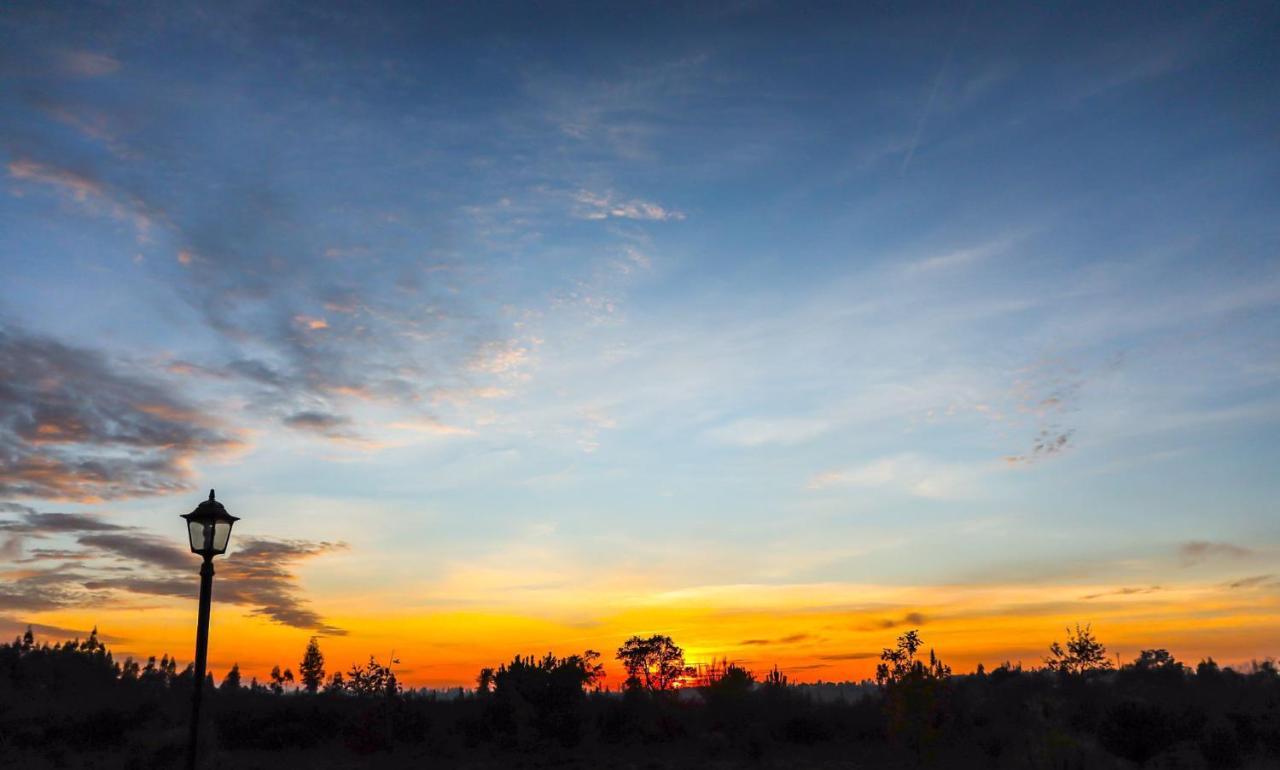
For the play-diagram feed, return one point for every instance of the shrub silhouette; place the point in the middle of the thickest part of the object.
(539, 699)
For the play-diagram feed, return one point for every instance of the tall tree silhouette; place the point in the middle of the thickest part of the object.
(311, 669)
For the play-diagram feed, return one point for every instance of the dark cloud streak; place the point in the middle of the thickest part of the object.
(73, 427)
(258, 573)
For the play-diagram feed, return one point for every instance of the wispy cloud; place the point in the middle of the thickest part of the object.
(883, 624)
(759, 431)
(95, 195)
(109, 559)
(789, 639)
(87, 64)
(909, 473)
(73, 427)
(1125, 591)
(1197, 551)
(591, 205)
(1254, 581)
(331, 425)
(955, 259)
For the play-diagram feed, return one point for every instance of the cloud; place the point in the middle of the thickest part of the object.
(305, 336)
(1045, 392)
(260, 574)
(960, 257)
(499, 357)
(909, 619)
(592, 205)
(1197, 551)
(850, 656)
(792, 639)
(73, 427)
(87, 64)
(95, 195)
(753, 432)
(1253, 582)
(109, 559)
(909, 473)
(1047, 443)
(332, 425)
(1126, 591)
(137, 548)
(34, 523)
(16, 627)
(40, 590)
(431, 426)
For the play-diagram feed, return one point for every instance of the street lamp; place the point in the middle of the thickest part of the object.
(209, 528)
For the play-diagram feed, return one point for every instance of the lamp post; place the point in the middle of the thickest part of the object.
(209, 528)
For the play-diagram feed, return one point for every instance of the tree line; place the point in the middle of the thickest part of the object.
(1077, 708)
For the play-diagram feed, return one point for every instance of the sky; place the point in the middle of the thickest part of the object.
(777, 328)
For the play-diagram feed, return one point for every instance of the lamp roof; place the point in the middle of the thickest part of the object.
(210, 510)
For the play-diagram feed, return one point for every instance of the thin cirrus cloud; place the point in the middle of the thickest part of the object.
(907, 473)
(87, 64)
(592, 205)
(252, 273)
(94, 195)
(1198, 551)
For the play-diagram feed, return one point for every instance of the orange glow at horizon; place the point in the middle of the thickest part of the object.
(834, 636)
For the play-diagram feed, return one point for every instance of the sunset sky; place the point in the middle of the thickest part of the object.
(780, 329)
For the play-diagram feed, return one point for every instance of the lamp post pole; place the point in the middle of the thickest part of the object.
(209, 529)
(202, 651)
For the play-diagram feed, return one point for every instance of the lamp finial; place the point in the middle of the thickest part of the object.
(210, 494)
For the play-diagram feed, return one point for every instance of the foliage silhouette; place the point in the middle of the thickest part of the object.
(73, 705)
(231, 682)
(655, 663)
(1083, 653)
(915, 693)
(311, 669)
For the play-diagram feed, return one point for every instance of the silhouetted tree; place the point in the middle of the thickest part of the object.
(372, 679)
(726, 676)
(899, 664)
(1156, 660)
(655, 663)
(231, 682)
(775, 678)
(1083, 653)
(484, 680)
(915, 702)
(69, 704)
(279, 680)
(311, 669)
(544, 695)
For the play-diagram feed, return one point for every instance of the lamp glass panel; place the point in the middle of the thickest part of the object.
(221, 534)
(196, 530)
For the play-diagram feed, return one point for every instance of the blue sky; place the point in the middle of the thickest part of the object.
(509, 300)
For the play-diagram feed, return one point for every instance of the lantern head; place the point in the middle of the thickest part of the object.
(209, 527)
